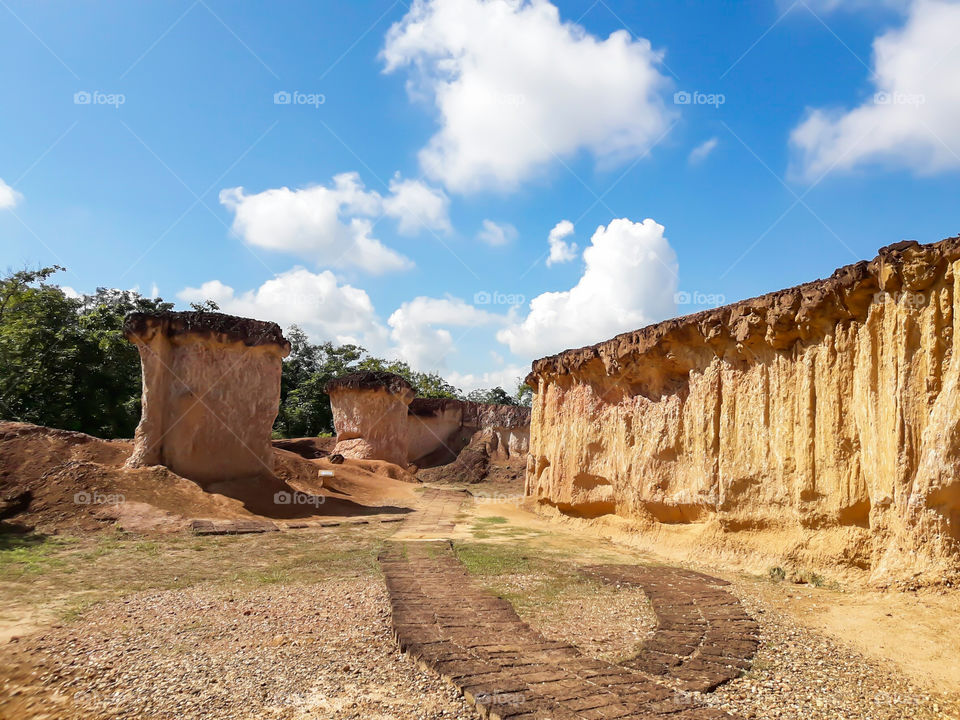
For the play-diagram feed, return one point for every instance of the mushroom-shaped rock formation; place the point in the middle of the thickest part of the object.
(211, 391)
(370, 415)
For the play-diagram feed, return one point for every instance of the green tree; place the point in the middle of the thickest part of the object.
(495, 396)
(524, 394)
(64, 361)
(304, 403)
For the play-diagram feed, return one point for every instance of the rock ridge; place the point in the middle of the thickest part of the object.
(779, 318)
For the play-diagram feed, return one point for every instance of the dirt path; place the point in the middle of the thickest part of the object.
(475, 640)
(443, 619)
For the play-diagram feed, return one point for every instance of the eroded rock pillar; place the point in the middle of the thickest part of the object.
(211, 392)
(370, 415)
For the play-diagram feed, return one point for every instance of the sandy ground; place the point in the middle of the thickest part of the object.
(912, 632)
(296, 624)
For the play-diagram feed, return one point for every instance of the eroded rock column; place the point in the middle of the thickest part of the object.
(211, 392)
(370, 415)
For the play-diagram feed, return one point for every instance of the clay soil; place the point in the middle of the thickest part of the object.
(132, 615)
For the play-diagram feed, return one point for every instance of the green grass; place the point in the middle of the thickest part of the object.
(67, 575)
(493, 559)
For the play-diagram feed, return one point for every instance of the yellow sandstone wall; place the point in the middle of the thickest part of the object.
(815, 428)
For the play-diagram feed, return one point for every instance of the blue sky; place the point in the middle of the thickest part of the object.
(405, 195)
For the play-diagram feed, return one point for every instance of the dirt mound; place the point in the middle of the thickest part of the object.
(59, 481)
(475, 464)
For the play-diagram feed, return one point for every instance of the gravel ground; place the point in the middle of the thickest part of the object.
(799, 673)
(603, 621)
(283, 651)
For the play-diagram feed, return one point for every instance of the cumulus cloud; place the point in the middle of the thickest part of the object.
(561, 251)
(496, 233)
(333, 224)
(316, 302)
(9, 198)
(506, 377)
(700, 152)
(628, 282)
(516, 88)
(419, 329)
(417, 206)
(910, 118)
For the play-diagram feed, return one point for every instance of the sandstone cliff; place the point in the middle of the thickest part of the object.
(817, 426)
(439, 428)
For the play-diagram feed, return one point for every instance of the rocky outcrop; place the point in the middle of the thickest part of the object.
(815, 426)
(370, 415)
(211, 391)
(439, 428)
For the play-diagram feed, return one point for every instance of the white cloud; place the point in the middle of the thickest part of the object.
(516, 88)
(496, 233)
(417, 206)
(316, 302)
(419, 329)
(561, 251)
(507, 378)
(700, 152)
(9, 198)
(629, 281)
(332, 224)
(911, 118)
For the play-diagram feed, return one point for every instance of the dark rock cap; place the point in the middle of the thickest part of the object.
(215, 325)
(370, 380)
(776, 320)
(424, 407)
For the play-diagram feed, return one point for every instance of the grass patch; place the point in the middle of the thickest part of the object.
(68, 575)
(493, 559)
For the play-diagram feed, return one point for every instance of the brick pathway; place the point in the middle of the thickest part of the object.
(446, 622)
(704, 637)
